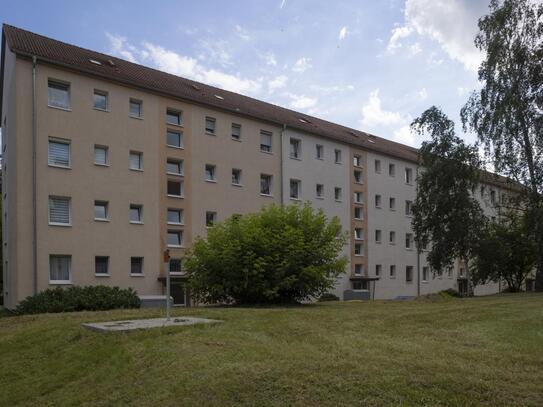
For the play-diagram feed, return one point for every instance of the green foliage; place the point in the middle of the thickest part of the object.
(506, 252)
(283, 254)
(507, 112)
(90, 298)
(328, 297)
(445, 211)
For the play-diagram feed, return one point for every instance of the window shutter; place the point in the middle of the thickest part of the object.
(100, 155)
(135, 161)
(59, 153)
(59, 210)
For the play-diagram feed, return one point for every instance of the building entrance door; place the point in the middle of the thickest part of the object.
(177, 291)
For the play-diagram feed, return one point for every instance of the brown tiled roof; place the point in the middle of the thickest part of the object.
(55, 52)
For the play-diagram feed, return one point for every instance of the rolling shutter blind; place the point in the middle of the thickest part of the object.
(59, 153)
(100, 155)
(59, 210)
(135, 161)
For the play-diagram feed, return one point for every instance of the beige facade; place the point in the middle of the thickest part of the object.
(149, 171)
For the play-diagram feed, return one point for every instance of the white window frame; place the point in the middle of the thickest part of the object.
(213, 120)
(64, 198)
(213, 173)
(269, 177)
(338, 156)
(142, 262)
(180, 211)
(178, 133)
(239, 173)
(180, 166)
(319, 152)
(105, 204)
(177, 232)
(59, 141)
(265, 133)
(107, 274)
(69, 91)
(319, 188)
(140, 160)
(181, 188)
(61, 282)
(235, 126)
(298, 184)
(100, 93)
(140, 103)
(214, 218)
(139, 207)
(174, 112)
(106, 155)
(295, 146)
(358, 234)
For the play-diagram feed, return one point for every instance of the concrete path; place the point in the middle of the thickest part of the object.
(131, 325)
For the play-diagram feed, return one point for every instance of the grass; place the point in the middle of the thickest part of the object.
(479, 351)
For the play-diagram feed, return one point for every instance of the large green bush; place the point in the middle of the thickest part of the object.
(90, 298)
(283, 254)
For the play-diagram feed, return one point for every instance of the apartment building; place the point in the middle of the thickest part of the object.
(109, 164)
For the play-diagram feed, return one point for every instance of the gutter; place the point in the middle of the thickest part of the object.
(281, 163)
(34, 137)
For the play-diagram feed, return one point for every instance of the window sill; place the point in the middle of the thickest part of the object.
(378, 207)
(295, 158)
(63, 225)
(359, 239)
(59, 282)
(65, 109)
(393, 277)
(359, 183)
(101, 220)
(409, 249)
(135, 117)
(237, 185)
(378, 242)
(64, 167)
(101, 165)
(211, 134)
(101, 110)
(136, 169)
(338, 163)
(295, 199)
(338, 200)
(363, 291)
(266, 152)
(358, 203)
(236, 139)
(180, 126)
(175, 246)
(176, 147)
(392, 210)
(136, 223)
(102, 275)
(358, 218)
(211, 181)
(319, 197)
(137, 275)
(319, 158)
(266, 195)
(392, 243)
(175, 174)
(358, 255)
(176, 196)
(175, 224)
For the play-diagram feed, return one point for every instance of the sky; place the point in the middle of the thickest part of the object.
(370, 65)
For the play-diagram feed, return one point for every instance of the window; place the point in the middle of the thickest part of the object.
(378, 166)
(174, 117)
(378, 235)
(136, 214)
(136, 266)
(100, 155)
(175, 188)
(59, 211)
(377, 201)
(100, 100)
(440, 273)
(358, 269)
(265, 184)
(425, 273)
(361, 285)
(392, 237)
(175, 238)
(210, 172)
(58, 94)
(392, 271)
(408, 208)
(358, 176)
(174, 139)
(265, 141)
(176, 266)
(357, 161)
(408, 240)
(136, 108)
(136, 160)
(337, 155)
(378, 269)
(236, 176)
(59, 153)
(392, 170)
(60, 268)
(358, 197)
(358, 213)
(210, 125)
(337, 194)
(295, 148)
(359, 249)
(100, 210)
(101, 264)
(408, 175)
(482, 192)
(174, 167)
(449, 271)
(175, 216)
(492, 196)
(211, 218)
(319, 151)
(409, 274)
(461, 272)
(319, 189)
(359, 234)
(295, 186)
(392, 203)
(236, 131)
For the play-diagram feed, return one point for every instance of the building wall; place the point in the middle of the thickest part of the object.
(312, 171)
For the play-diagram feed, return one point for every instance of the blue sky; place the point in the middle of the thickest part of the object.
(370, 65)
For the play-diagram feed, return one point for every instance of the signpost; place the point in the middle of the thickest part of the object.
(166, 262)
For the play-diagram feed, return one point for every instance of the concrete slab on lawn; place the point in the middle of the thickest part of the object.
(134, 324)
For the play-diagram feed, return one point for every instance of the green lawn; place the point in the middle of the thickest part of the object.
(479, 351)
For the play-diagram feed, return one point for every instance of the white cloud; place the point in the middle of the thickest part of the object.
(302, 65)
(120, 47)
(343, 33)
(278, 82)
(282, 3)
(422, 94)
(269, 58)
(414, 49)
(181, 65)
(301, 101)
(374, 115)
(242, 32)
(403, 135)
(450, 23)
(216, 51)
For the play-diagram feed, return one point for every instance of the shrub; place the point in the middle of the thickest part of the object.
(449, 292)
(283, 254)
(89, 298)
(328, 297)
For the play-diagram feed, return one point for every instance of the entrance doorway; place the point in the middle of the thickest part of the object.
(463, 287)
(177, 291)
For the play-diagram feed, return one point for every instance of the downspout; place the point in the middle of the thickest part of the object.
(281, 164)
(34, 228)
(418, 271)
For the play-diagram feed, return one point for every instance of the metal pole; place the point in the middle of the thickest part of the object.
(168, 305)
(34, 175)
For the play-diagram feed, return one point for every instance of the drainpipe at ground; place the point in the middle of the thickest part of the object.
(281, 164)
(34, 137)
